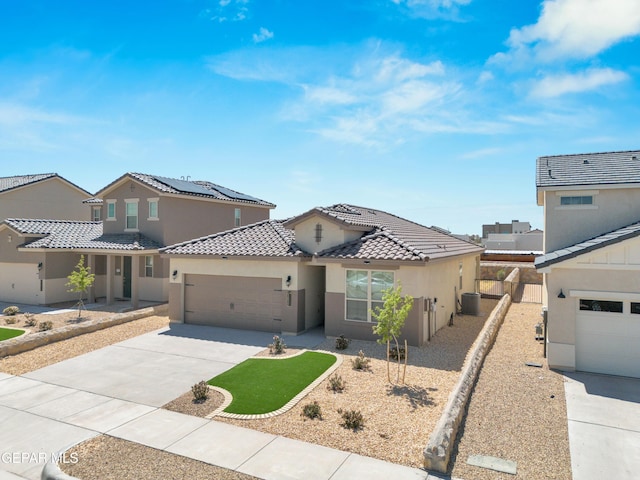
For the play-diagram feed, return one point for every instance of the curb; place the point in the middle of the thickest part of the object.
(51, 471)
(25, 343)
(437, 452)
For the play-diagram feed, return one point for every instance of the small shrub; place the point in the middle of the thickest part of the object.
(30, 320)
(501, 274)
(44, 326)
(360, 362)
(12, 310)
(336, 383)
(278, 346)
(393, 353)
(200, 391)
(312, 410)
(352, 419)
(10, 320)
(342, 343)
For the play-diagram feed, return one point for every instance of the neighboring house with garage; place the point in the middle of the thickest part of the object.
(326, 267)
(591, 263)
(138, 215)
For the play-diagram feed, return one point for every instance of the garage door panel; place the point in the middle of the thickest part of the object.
(233, 302)
(608, 343)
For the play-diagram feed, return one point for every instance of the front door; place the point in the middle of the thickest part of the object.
(126, 277)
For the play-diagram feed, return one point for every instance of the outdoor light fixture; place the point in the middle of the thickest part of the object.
(174, 274)
(288, 281)
(561, 294)
(39, 266)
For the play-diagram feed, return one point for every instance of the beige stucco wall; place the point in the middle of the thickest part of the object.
(332, 234)
(612, 269)
(48, 199)
(568, 225)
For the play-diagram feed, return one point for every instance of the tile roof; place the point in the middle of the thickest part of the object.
(191, 188)
(601, 241)
(266, 238)
(385, 237)
(67, 234)
(9, 183)
(607, 168)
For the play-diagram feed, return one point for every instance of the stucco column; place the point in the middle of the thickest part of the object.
(135, 275)
(91, 294)
(109, 280)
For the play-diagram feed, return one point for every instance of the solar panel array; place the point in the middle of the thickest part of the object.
(204, 188)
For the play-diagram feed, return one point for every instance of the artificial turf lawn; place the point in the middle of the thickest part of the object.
(264, 385)
(7, 333)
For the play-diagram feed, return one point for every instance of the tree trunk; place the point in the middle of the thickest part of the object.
(388, 368)
(406, 357)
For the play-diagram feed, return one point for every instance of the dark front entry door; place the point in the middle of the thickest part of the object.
(126, 277)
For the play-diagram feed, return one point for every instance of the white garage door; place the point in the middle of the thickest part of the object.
(19, 283)
(608, 341)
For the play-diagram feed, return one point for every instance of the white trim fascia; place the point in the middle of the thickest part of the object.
(602, 295)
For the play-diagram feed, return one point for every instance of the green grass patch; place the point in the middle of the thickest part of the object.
(7, 333)
(264, 385)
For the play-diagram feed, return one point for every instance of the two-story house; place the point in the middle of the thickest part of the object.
(591, 263)
(326, 267)
(132, 218)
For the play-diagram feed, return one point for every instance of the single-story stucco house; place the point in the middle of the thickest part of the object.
(326, 267)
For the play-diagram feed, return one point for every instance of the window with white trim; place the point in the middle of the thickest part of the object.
(577, 200)
(131, 211)
(111, 210)
(148, 266)
(237, 218)
(364, 289)
(96, 214)
(153, 208)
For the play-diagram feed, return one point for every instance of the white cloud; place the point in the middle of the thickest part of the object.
(556, 85)
(14, 115)
(483, 152)
(485, 76)
(227, 11)
(262, 36)
(432, 8)
(573, 29)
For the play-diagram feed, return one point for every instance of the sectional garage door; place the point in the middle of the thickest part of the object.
(608, 342)
(19, 283)
(233, 302)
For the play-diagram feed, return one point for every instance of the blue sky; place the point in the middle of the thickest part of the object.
(434, 110)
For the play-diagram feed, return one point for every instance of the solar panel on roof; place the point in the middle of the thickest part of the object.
(235, 195)
(184, 186)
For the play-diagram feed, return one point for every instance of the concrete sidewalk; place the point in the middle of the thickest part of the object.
(603, 415)
(118, 390)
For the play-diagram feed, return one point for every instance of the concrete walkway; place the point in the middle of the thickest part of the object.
(603, 414)
(118, 390)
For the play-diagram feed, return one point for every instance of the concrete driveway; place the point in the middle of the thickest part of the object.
(603, 414)
(118, 389)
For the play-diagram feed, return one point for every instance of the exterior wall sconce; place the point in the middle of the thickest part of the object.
(40, 266)
(288, 280)
(561, 294)
(174, 274)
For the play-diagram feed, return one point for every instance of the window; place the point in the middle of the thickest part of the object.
(111, 209)
(635, 308)
(95, 214)
(153, 208)
(131, 214)
(148, 266)
(237, 217)
(584, 200)
(364, 291)
(318, 232)
(600, 306)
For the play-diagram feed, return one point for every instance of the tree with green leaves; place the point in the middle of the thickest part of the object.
(80, 280)
(391, 318)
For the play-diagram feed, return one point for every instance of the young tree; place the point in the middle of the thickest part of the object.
(391, 318)
(80, 280)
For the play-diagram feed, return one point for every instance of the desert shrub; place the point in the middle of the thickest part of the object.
(352, 419)
(44, 326)
(342, 343)
(336, 383)
(30, 320)
(278, 346)
(12, 310)
(393, 353)
(200, 391)
(501, 274)
(10, 320)
(312, 410)
(360, 362)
